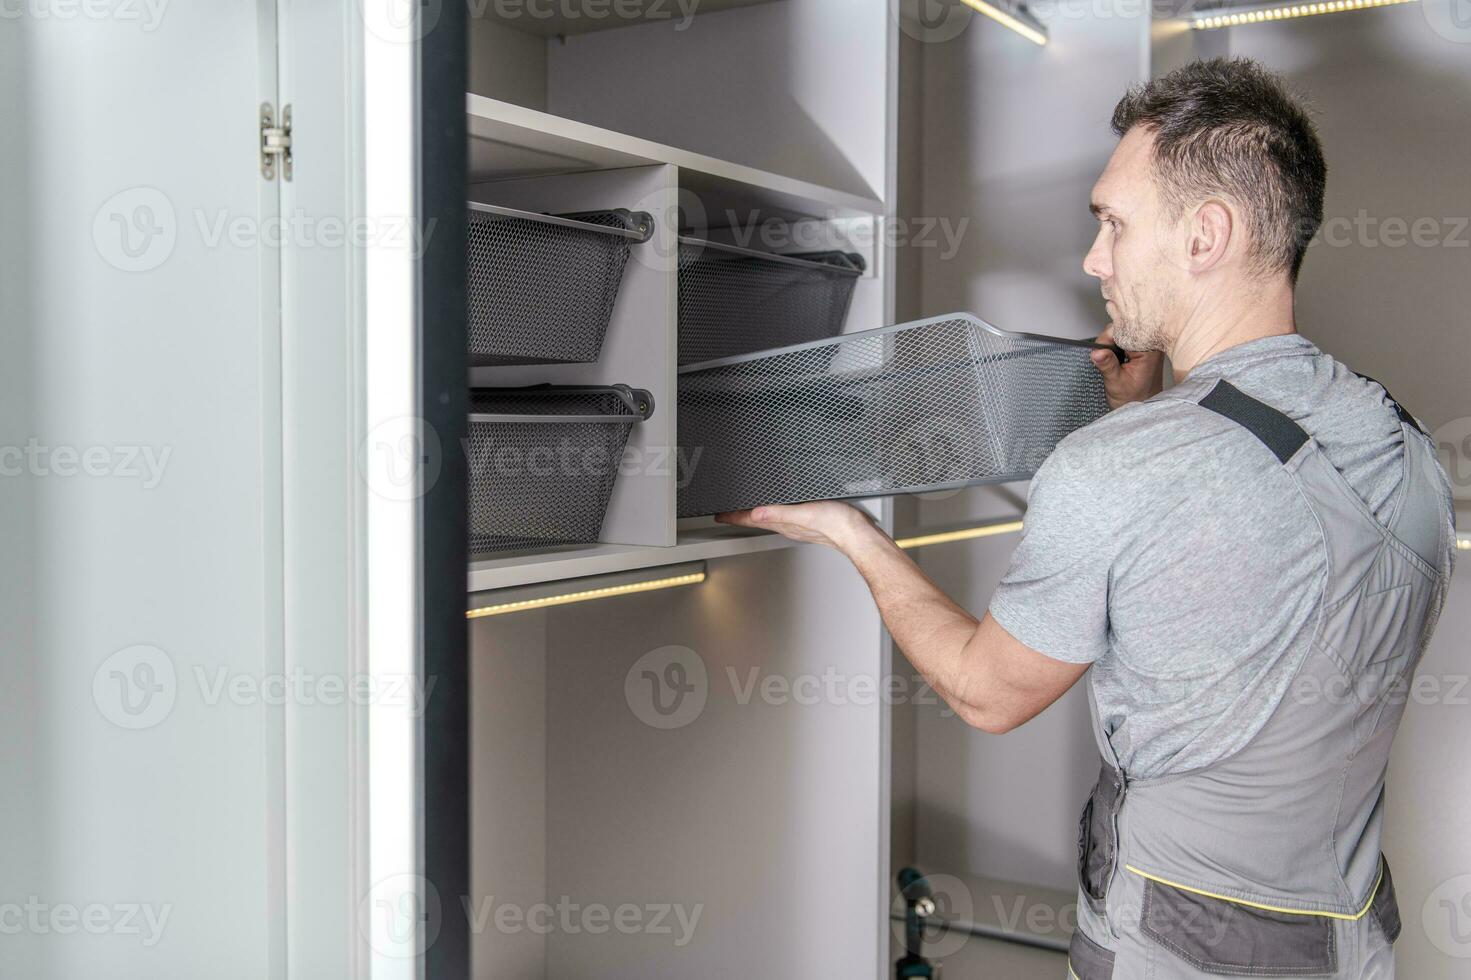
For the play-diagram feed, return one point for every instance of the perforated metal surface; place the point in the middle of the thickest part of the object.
(937, 403)
(733, 303)
(543, 293)
(547, 480)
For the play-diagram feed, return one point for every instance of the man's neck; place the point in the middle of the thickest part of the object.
(1212, 326)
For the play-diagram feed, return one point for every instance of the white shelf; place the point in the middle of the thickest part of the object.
(509, 141)
(695, 544)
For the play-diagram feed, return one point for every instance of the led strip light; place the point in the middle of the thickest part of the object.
(1262, 15)
(1018, 19)
(525, 598)
(960, 534)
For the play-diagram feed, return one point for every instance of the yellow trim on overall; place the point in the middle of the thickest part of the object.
(1070, 974)
(1373, 893)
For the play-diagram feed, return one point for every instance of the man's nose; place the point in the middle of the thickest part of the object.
(1095, 263)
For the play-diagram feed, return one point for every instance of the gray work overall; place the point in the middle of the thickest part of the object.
(1267, 863)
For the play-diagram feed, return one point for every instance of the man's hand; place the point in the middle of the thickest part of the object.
(830, 522)
(1143, 377)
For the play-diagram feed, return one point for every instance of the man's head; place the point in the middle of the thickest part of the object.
(1214, 189)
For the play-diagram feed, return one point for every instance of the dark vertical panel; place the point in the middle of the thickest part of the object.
(443, 57)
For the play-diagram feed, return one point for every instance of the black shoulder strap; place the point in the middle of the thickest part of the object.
(1279, 433)
(1399, 409)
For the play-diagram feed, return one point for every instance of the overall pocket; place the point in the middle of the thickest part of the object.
(1098, 845)
(1230, 939)
(1385, 907)
(1086, 960)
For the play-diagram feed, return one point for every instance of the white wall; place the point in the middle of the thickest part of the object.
(507, 64)
(1011, 137)
(758, 85)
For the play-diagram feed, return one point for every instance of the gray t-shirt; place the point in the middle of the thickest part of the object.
(1163, 545)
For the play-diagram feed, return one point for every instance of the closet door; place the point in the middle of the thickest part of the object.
(140, 575)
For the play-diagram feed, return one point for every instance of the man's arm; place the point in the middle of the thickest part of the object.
(992, 680)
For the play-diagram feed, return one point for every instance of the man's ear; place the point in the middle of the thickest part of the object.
(1211, 228)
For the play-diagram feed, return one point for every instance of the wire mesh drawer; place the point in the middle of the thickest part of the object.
(938, 403)
(543, 461)
(734, 300)
(542, 287)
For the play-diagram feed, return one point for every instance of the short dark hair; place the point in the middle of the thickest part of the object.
(1228, 126)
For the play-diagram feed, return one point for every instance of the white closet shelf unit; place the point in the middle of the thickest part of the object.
(509, 141)
(578, 561)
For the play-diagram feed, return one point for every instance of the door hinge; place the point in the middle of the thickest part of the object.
(275, 142)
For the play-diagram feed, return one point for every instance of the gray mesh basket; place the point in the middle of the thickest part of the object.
(542, 287)
(734, 300)
(543, 460)
(945, 402)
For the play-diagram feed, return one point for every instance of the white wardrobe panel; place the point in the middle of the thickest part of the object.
(753, 817)
(150, 554)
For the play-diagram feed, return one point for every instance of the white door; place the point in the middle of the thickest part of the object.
(141, 735)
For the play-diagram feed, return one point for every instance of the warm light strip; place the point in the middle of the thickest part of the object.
(1032, 32)
(964, 534)
(1263, 15)
(694, 578)
(1463, 544)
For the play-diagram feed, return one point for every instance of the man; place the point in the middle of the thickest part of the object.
(1251, 562)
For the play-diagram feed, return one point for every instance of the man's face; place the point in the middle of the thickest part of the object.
(1130, 256)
